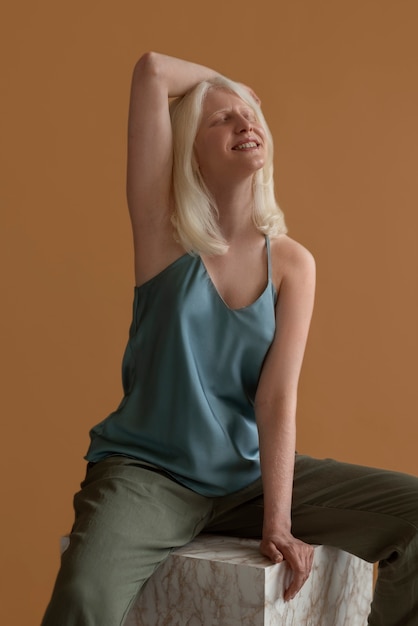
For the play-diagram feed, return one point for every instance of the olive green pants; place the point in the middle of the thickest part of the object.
(128, 519)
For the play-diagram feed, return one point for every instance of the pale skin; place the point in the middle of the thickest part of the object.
(240, 274)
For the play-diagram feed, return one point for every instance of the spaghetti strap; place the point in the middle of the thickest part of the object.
(269, 273)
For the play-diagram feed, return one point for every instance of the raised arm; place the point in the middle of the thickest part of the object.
(156, 78)
(276, 408)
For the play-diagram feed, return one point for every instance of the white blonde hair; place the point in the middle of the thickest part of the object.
(195, 213)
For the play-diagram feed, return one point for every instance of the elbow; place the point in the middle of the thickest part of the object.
(277, 403)
(148, 65)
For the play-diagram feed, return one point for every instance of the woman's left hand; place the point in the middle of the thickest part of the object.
(297, 554)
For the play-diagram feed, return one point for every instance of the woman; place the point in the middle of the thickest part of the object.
(204, 437)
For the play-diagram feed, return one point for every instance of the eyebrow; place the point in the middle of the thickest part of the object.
(245, 107)
(226, 110)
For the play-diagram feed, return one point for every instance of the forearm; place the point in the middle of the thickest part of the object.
(277, 440)
(175, 75)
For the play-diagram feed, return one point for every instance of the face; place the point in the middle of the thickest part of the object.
(230, 141)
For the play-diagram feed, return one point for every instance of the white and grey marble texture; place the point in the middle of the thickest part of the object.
(225, 581)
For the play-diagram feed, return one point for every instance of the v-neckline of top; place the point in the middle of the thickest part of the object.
(247, 306)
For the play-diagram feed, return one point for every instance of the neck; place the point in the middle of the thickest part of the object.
(235, 206)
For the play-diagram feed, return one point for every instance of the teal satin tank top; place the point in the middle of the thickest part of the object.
(190, 373)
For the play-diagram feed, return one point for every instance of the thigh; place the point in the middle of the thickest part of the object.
(127, 520)
(366, 511)
(239, 514)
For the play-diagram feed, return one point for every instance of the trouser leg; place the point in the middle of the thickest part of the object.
(127, 521)
(239, 514)
(368, 512)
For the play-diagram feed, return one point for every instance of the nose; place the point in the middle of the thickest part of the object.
(243, 124)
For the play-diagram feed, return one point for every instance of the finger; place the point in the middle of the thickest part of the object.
(298, 580)
(300, 575)
(269, 549)
(252, 93)
(256, 98)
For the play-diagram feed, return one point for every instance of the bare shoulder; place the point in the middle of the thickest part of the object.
(291, 259)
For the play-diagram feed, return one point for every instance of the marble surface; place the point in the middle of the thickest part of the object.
(224, 581)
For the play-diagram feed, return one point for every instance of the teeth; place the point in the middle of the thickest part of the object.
(248, 144)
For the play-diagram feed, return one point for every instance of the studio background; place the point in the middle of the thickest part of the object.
(338, 83)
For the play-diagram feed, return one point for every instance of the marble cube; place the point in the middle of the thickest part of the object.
(225, 581)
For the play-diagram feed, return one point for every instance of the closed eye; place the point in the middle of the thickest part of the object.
(220, 118)
(249, 115)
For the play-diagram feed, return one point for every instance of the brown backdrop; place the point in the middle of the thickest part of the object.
(338, 83)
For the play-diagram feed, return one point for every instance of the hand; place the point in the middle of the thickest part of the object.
(297, 554)
(252, 93)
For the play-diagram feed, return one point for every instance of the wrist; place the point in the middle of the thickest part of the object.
(276, 522)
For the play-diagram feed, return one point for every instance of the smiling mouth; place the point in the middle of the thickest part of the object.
(246, 145)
